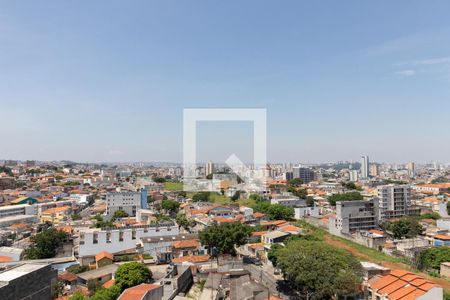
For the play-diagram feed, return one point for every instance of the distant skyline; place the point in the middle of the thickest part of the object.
(107, 81)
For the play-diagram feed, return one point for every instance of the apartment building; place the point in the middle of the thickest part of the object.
(394, 201)
(128, 201)
(305, 174)
(358, 215)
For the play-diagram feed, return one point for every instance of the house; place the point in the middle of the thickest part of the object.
(185, 248)
(16, 254)
(98, 276)
(56, 215)
(24, 200)
(400, 284)
(445, 269)
(103, 258)
(69, 279)
(274, 237)
(144, 291)
(441, 240)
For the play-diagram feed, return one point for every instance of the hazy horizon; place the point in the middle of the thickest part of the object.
(108, 80)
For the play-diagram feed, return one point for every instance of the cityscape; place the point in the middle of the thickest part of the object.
(204, 150)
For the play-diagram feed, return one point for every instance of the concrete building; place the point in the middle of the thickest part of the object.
(209, 168)
(129, 202)
(92, 241)
(288, 200)
(27, 281)
(305, 174)
(411, 166)
(364, 167)
(374, 170)
(353, 175)
(394, 201)
(352, 216)
(7, 183)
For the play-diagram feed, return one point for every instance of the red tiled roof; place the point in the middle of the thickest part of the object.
(191, 259)
(67, 276)
(103, 254)
(185, 244)
(109, 283)
(138, 292)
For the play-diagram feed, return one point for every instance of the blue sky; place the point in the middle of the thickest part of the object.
(108, 80)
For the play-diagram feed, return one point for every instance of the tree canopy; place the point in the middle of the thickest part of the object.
(170, 206)
(433, 257)
(184, 222)
(318, 270)
(406, 227)
(131, 274)
(201, 197)
(45, 243)
(119, 214)
(350, 196)
(274, 211)
(225, 237)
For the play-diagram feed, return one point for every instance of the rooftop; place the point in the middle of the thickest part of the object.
(20, 271)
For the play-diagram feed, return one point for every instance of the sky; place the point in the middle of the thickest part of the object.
(107, 81)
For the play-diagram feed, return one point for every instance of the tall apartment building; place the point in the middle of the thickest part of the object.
(305, 174)
(364, 167)
(129, 202)
(352, 216)
(374, 170)
(353, 175)
(394, 201)
(209, 168)
(411, 169)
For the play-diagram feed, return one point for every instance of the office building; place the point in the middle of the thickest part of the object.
(394, 201)
(352, 216)
(364, 167)
(305, 174)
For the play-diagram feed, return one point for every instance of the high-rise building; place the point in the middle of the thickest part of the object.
(353, 175)
(374, 170)
(364, 167)
(394, 201)
(305, 174)
(209, 168)
(411, 169)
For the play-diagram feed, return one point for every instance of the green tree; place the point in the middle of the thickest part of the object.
(119, 214)
(350, 196)
(131, 274)
(236, 196)
(295, 182)
(201, 197)
(433, 257)
(273, 253)
(170, 206)
(256, 197)
(77, 296)
(159, 179)
(76, 217)
(319, 271)
(225, 237)
(45, 243)
(406, 227)
(184, 222)
(280, 212)
(111, 293)
(309, 201)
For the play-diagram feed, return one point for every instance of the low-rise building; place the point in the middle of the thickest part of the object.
(144, 291)
(27, 281)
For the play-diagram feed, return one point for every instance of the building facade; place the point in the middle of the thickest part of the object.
(129, 202)
(394, 201)
(358, 215)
